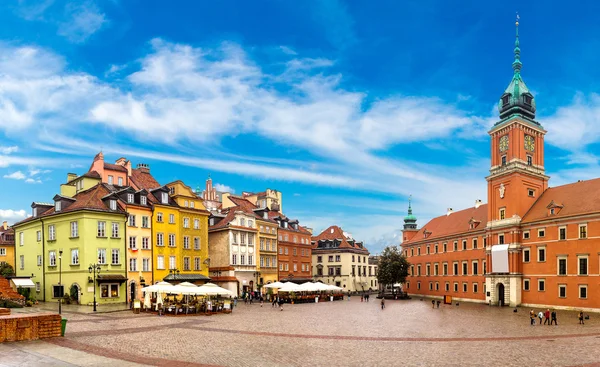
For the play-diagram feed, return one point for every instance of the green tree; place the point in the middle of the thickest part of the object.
(6, 270)
(393, 266)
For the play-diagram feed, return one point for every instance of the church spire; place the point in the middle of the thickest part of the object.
(410, 221)
(517, 99)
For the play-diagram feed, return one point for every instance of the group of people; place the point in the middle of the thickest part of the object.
(547, 317)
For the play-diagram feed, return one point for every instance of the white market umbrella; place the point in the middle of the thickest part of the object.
(147, 302)
(160, 287)
(211, 289)
(159, 300)
(290, 287)
(274, 285)
(308, 287)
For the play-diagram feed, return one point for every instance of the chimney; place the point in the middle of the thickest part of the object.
(143, 167)
(5, 225)
(450, 211)
(71, 176)
(477, 203)
(121, 161)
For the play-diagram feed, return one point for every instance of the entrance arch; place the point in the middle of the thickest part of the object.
(76, 296)
(132, 293)
(500, 292)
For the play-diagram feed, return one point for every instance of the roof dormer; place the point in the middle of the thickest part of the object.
(554, 208)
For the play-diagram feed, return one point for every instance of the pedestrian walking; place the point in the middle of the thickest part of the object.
(438, 304)
(280, 304)
(382, 303)
(581, 317)
(261, 301)
(547, 317)
(553, 318)
(540, 316)
(532, 317)
(348, 295)
(368, 296)
(432, 303)
(274, 302)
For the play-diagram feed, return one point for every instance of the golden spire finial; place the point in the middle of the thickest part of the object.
(517, 22)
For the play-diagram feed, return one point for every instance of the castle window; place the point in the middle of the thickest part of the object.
(530, 192)
(527, 100)
(504, 160)
(583, 231)
(505, 99)
(502, 213)
(529, 160)
(526, 235)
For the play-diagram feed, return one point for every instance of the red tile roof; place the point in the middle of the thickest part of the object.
(90, 199)
(336, 233)
(142, 179)
(453, 224)
(582, 197)
(114, 167)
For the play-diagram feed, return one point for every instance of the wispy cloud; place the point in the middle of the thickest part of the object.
(82, 20)
(12, 216)
(8, 150)
(224, 188)
(17, 175)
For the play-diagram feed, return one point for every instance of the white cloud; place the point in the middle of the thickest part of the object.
(12, 216)
(82, 19)
(287, 50)
(8, 150)
(224, 188)
(33, 180)
(17, 175)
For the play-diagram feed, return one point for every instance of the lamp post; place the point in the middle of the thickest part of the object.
(257, 275)
(61, 292)
(174, 273)
(95, 270)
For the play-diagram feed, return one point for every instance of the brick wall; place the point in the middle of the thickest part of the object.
(29, 327)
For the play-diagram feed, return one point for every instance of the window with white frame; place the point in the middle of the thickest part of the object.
(133, 264)
(583, 291)
(186, 264)
(172, 262)
(21, 238)
(143, 200)
(160, 262)
(562, 291)
(465, 268)
(526, 255)
(133, 242)
(197, 263)
(541, 253)
(242, 259)
(39, 235)
(562, 233)
(51, 233)
(52, 258)
(242, 222)
(109, 290)
(132, 220)
(120, 181)
(561, 265)
(115, 230)
(110, 179)
(102, 256)
(250, 223)
(525, 284)
(251, 239)
(542, 232)
(582, 231)
(185, 203)
(160, 239)
(75, 256)
(250, 260)
(116, 256)
(465, 287)
(172, 218)
(130, 198)
(74, 230)
(39, 260)
(146, 264)
(145, 222)
(22, 262)
(196, 243)
(526, 235)
(541, 285)
(113, 204)
(582, 265)
(165, 198)
(57, 206)
(234, 259)
(475, 267)
(159, 217)
(191, 204)
(186, 222)
(2, 251)
(196, 223)
(145, 243)
(475, 287)
(186, 242)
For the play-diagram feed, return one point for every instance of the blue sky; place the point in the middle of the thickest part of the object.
(345, 107)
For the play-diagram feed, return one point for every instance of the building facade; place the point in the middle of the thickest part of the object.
(340, 260)
(59, 242)
(530, 244)
(7, 244)
(294, 249)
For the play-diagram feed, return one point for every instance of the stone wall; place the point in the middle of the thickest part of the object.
(29, 327)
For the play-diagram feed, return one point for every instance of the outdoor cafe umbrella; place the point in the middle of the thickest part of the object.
(159, 300)
(147, 302)
(289, 287)
(211, 289)
(160, 287)
(274, 285)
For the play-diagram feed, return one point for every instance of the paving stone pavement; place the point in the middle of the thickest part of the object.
(342, 333)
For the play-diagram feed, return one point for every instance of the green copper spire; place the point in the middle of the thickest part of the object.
(410, 221)
(517, 100)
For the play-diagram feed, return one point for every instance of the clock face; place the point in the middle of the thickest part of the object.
(504, 143)
(529, 143)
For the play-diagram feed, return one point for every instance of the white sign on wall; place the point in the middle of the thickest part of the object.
(500, 259)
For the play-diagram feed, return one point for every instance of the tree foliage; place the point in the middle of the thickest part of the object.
(393, 266)
(6, 270)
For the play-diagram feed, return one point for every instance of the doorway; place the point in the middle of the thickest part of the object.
(132, 293)
(500, 294)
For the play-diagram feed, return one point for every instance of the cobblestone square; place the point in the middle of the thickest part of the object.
(342, 333)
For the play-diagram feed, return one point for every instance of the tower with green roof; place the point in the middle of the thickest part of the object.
(410, 223)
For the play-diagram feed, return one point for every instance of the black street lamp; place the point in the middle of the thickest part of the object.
(174, 273)
(257, 275)
(94, 269)
(61, 292)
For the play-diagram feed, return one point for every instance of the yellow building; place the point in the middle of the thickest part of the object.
(165, 233)
(7, 245)
(193, 235)
(267, 238)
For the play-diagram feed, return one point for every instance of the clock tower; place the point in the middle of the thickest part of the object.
(517, 176)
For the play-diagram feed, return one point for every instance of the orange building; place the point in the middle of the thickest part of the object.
(530, 245)
(295, 249)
